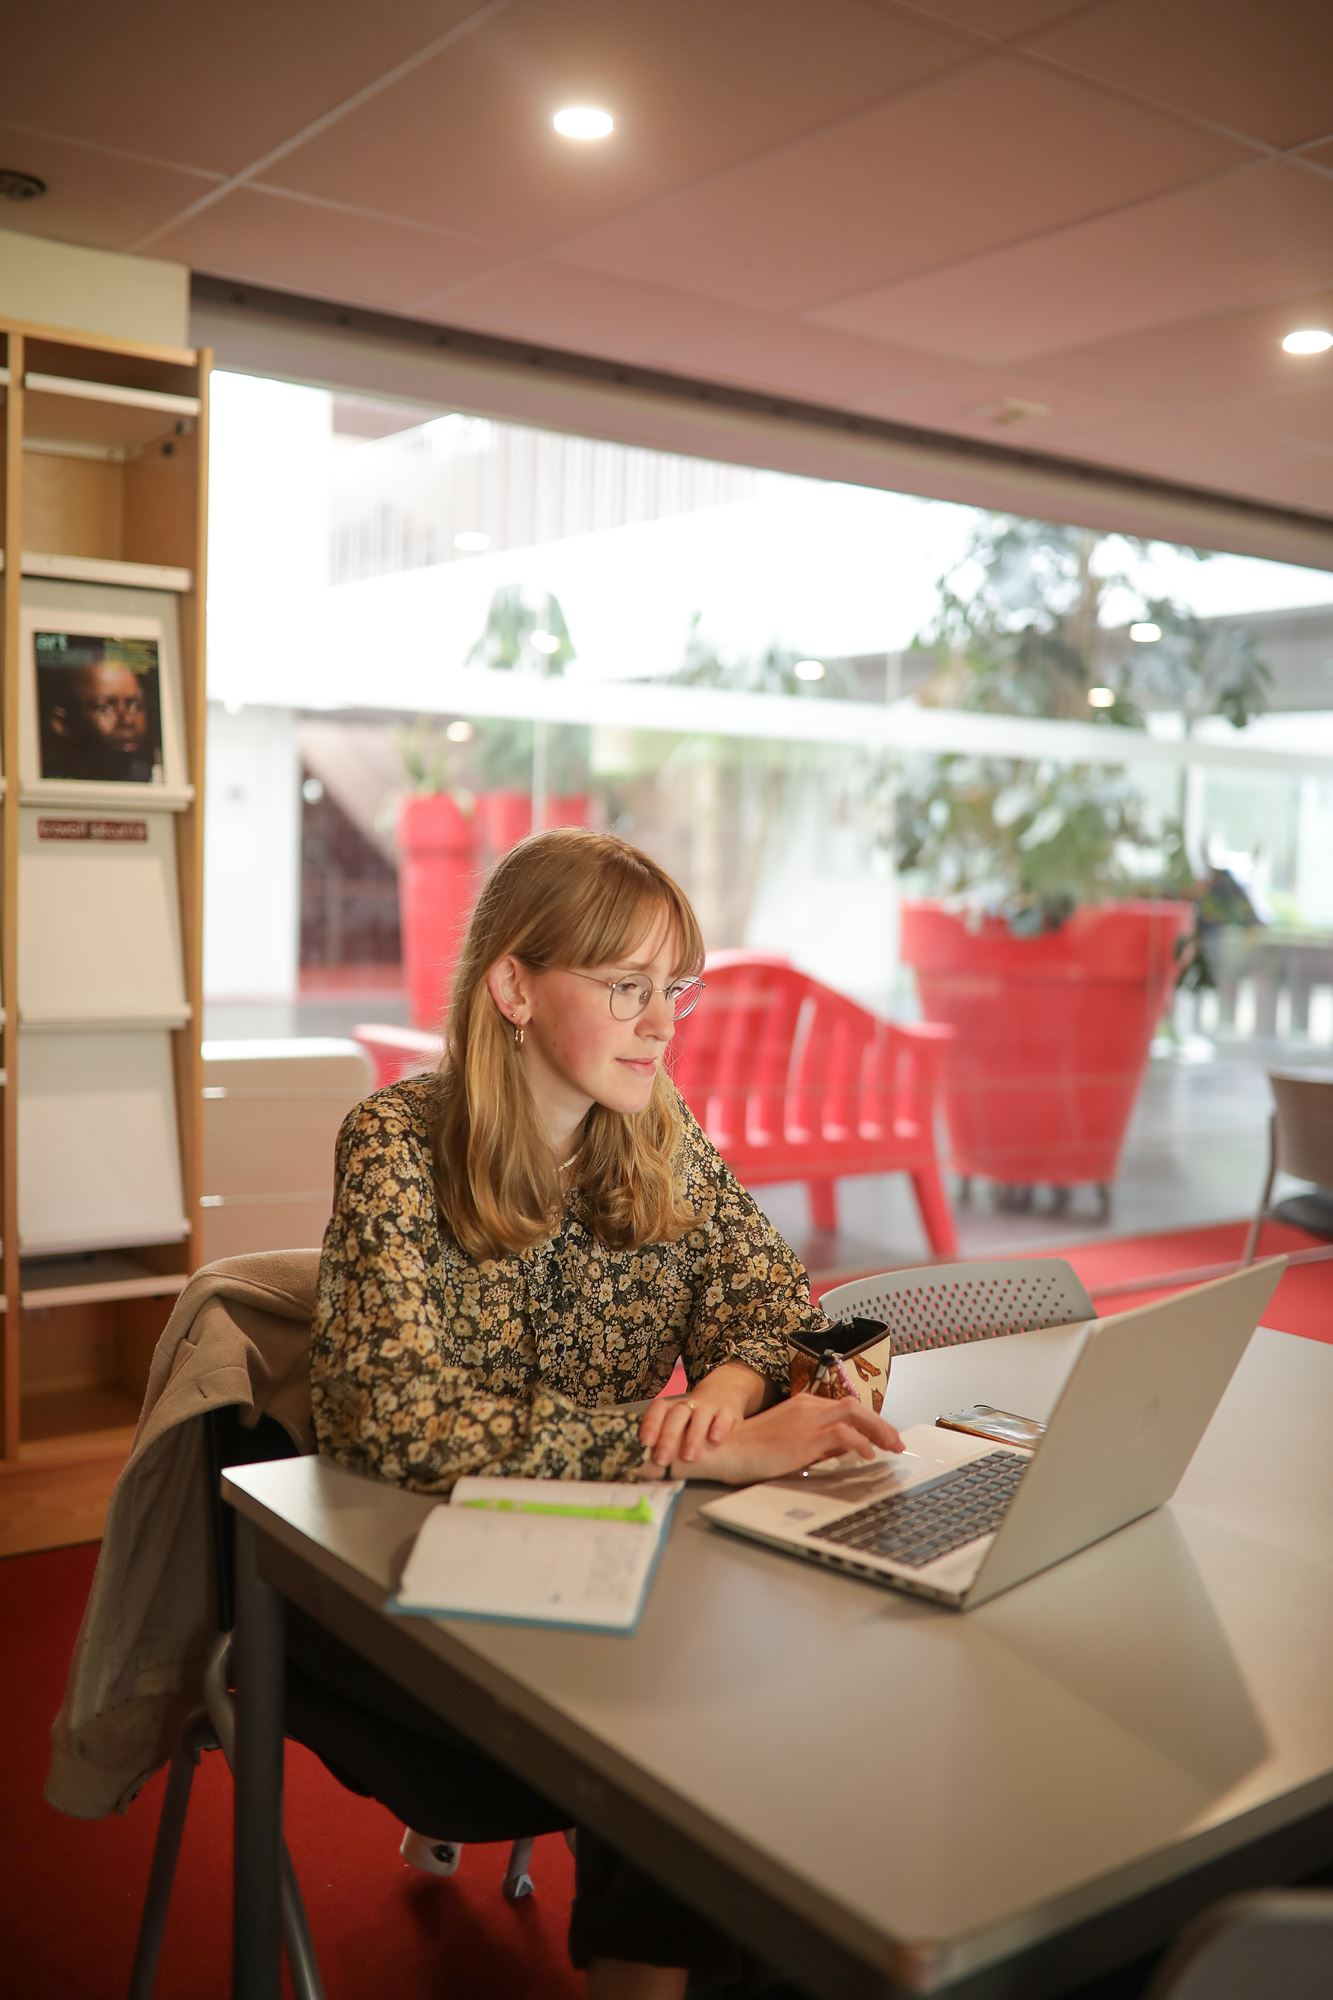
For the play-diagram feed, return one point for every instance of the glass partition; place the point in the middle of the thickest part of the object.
(827, 710)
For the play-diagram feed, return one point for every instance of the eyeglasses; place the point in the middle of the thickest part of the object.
(629, 995)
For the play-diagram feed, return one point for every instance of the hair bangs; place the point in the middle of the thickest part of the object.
(628, 904)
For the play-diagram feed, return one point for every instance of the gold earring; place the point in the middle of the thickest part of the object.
(518, 1034)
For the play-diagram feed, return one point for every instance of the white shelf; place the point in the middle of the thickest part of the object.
(99, 569)
(98, 1020)
(90, 1277)
(80, 795)
(101, 417)
(99, 924)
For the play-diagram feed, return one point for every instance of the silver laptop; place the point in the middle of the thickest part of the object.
(958, 1519)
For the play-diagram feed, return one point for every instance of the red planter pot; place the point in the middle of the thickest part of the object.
(505, 818)
(437, 885)
(1051, 1033)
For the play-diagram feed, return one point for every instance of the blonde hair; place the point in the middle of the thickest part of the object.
(567, 898)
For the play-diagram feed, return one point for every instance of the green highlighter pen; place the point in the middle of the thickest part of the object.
(640, 1511)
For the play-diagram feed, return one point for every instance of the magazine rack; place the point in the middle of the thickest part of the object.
(102, 538)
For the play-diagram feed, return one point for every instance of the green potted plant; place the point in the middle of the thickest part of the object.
(1062, 906)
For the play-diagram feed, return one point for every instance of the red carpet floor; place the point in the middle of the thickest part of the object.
(70, 1890)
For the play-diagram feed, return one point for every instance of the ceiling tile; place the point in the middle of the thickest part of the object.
(1000, 18)
(1304, 414)
(197, 87)
(1212, 360)
(1260, 70)
(992, 152)
(99, 199)
(302, 246)
(1266, 231)
(622, 319)
(1320, 156)
(1302, 480)
(1186, 447)
(985, 403)
(466, 141)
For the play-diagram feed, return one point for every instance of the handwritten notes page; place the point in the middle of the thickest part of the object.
(496, 1561)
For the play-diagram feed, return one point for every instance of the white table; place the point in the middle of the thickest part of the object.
(877, 1794)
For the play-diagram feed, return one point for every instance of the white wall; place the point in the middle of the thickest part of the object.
(270, 482)
(252, 855)
(94, 291)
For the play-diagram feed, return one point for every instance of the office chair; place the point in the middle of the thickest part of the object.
(939, 1305)
(1300, 1142)
(212, 1725)
(1273, 1941)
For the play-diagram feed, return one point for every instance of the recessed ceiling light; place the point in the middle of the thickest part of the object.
(1101, 697)
(1145, 632)
(471, 541)
(460, 731)
(1309, 340)
(584, 121)
(545, 642)
(809, 670)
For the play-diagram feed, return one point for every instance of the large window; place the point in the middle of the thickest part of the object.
(793, 692)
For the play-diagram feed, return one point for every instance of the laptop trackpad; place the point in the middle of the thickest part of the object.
(854, 1481)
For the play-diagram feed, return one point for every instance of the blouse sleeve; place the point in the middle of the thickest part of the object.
(386, 1399)
(751, 1291)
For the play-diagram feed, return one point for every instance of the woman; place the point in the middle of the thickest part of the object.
(526, 1241)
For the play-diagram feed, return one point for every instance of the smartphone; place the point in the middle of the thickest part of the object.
(983, 1421)
(847, 1338)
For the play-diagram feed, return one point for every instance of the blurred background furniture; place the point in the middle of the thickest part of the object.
(271, 1114)
(395, 1052)
(791, 1082)
(1300, 1142)
(794, 1082)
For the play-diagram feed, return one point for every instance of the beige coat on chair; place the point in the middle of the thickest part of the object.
(240, 1333)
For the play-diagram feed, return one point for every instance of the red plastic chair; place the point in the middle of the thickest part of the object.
(397, 1052)
(794, 1082)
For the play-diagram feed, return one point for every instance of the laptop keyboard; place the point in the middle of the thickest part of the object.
(929, 1520)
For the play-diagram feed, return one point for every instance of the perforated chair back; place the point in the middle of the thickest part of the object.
(942, 1305)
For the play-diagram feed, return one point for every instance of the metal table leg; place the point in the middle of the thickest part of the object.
(256, 1863)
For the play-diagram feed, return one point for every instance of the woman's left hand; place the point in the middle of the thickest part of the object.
(680, 1428)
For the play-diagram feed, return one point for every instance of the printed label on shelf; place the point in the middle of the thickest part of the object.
(92, 829)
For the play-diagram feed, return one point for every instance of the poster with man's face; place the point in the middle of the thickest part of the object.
(99, 708)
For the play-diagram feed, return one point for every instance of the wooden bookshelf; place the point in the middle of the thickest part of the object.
(103, 466)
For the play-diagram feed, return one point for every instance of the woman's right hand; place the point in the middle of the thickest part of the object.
(789, 1437)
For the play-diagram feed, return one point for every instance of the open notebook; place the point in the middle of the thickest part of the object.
(569, 1552)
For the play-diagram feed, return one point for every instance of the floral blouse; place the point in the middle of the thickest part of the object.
(427, 1364)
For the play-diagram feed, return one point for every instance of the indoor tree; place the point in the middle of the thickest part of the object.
(1021, 630)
